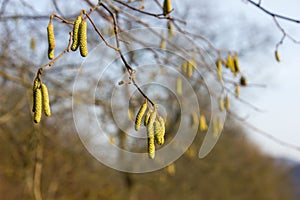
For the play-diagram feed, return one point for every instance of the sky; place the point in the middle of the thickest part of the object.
(280, 98)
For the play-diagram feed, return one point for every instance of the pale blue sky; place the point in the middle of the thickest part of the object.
(281, 97)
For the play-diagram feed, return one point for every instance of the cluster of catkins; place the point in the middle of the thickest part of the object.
(40, 100)
(79, 36)
(155, 127)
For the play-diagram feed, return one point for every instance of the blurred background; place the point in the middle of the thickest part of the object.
(49, 161)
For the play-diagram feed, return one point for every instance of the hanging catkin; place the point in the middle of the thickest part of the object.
(75, 43)
(203, 124)
(146, 120)
(36, 85)
(227, 102)
(161, 133)
(37, 95)
(51, 40)
(236, 64)
(139, 116)
(179, 86)
(45, 99)
(167, 7)
(219, 68)
(150, 133)
(83, 38)
(277, 56)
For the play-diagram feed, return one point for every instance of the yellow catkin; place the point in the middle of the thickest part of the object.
(190, 67)
(45, 99)
(221, 104)
(32, 44)
(237, 91)
(227, 102)
(152, 118)
(203, 125)
(36, 85)
(150, 133)
(159, 129)
(184, 66)
(277, 56)
(179, 86)
(167, 7)
(83, 38)
(243, 81)
(151, 147)
(146, 120)
(219, 68)
(139, 116)
(171, 169)
(170, 29)
(75, 43)
(191, 152)
(230, 64)
(236, 64)
(38, 105)
(51, 40)
(215, 127)
(156, 130)
(163, 44)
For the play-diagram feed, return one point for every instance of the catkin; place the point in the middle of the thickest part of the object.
(167, 7)
(157, 128)
(151, 147)
(230, 64)
(171, 169)
(36, 85)
(190, 67)
(203, 124)
(184, 66)
(227, 102)
(215, 127)
(83, 38)
(221, 104)
(146, 120)
(75, 43)
(51, 40)
(150, 133)
(152, 118)
(179, 86)
(277, 56)
(162, 131)
(219, 68)
(243, 81)
(236, 63)
(163, 44)
(45, 98)
(139, 116)
(237, 91)
(37, 95)
(159, 131)
(170, 29)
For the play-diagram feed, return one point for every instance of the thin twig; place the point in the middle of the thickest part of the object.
(129, 69)
(258, 5)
